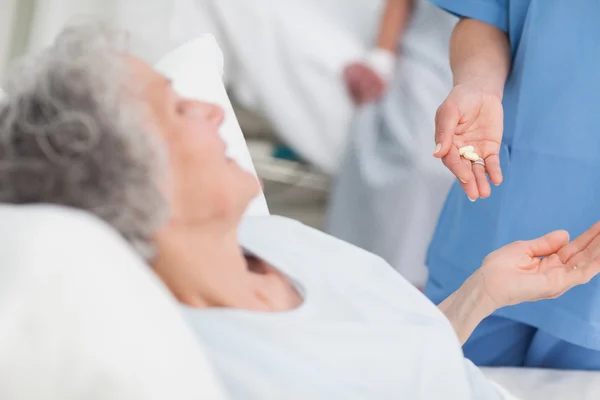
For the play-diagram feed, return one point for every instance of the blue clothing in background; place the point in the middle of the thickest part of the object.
(550, 157)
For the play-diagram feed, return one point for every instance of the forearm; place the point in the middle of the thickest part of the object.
(395, 19)
(480, 54)
(467, 307)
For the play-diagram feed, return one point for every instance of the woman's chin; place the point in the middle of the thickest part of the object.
(247, 183)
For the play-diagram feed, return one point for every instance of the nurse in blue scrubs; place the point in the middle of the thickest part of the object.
(527, 96)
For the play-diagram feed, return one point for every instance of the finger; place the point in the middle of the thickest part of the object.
(447, 118)
(470, 187)
(577, 245)
(548, 244)
(589, 270)
(587, 254)
(568, 277)
(492, 166)
(455, 163)
(551, 261)
(483, 186)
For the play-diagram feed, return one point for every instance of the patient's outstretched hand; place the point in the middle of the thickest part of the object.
(542, 268)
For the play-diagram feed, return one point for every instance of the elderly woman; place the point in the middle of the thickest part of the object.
(285, 311)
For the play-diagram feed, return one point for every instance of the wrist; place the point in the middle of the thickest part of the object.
(382, 61)
(475, 286)
(468, 306)
(483, 83)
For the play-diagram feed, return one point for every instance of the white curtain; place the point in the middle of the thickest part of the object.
(284, 59)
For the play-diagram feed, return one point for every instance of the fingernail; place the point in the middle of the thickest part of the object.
(438, 147)
(462, 180)
(472, 200)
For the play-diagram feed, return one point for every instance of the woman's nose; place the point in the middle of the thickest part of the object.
(214, 113)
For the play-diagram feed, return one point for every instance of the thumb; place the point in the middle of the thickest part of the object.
(446, 121)
(548, 244)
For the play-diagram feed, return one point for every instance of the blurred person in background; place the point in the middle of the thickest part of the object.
(389, 191)
(526, 97)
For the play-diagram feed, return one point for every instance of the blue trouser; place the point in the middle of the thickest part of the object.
(501, 342)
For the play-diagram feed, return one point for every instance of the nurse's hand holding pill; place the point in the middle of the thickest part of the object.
(468, 133)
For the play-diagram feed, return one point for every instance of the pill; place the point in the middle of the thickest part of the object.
(466, 149)
(471, 156)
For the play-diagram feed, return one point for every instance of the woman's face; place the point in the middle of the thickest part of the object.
(204, 185)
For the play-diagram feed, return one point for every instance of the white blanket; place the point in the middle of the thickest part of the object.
(535, 384)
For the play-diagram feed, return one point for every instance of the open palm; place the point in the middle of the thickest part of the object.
(471, 116)
(530, 270)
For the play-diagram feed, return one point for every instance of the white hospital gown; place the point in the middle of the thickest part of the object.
(362, 332)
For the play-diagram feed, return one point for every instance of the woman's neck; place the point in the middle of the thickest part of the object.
(205, 267)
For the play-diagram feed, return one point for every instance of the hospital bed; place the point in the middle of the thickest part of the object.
(82, 317)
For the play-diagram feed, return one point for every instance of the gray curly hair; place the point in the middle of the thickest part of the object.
(69, 135)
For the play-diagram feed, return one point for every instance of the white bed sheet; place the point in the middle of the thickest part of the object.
(534, 384)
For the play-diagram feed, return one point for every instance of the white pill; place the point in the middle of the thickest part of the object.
(466, 149)
(471, 156)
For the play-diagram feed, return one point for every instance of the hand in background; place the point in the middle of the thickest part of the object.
(364, 84)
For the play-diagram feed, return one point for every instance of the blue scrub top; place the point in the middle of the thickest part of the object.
(549, 156)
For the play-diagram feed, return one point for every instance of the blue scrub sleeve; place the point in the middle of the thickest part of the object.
(493, 12)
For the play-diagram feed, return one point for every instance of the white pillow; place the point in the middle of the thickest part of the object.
(196, 69)
(82, 317)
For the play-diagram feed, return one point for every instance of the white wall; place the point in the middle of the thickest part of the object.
(7, 13)
(15, 24)
(29, 25)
